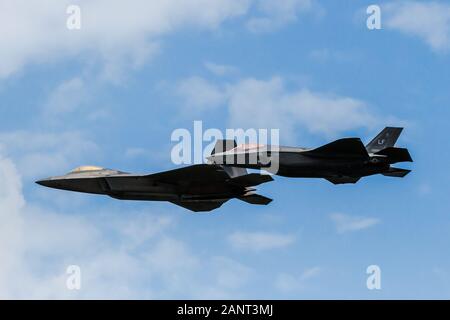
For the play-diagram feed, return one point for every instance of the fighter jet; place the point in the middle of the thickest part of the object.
(342, 161)
(197, 188)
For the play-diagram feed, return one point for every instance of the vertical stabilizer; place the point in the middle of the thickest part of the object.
(384, 139)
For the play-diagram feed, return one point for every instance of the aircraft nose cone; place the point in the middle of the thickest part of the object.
(45, 183)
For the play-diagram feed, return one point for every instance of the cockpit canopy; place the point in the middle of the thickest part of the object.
(86, 169)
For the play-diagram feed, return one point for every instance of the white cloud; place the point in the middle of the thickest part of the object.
(170, 254)
(116, 32)
(132, 255)
(347, 223)
(324, 55)
(220, 69)
(268, 104)
(288, 283)
(230, 273)
(66, 98)
(41, 154)
(227, 281)
(310, 273)
(259, 241)
(274, 14)
(121, 36)
(428, 20)
(199, 94)
(135, 152)
(254, 103)
(11, 204)
(73, 98)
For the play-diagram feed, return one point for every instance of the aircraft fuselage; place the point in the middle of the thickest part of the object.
(295, 164)
(130, 187)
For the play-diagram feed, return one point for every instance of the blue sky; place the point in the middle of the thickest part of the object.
(111, 94)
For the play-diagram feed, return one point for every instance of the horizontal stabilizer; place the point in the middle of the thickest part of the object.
(347, 147)
(200, 205)
(395, 155)
(252, 179)
(256, 199)
(342, 180)
(396, 172)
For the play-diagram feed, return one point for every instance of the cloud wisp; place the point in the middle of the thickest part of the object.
(346, 223)
(289, 283)
(220, 69)
(259, 241)
(428, 20)
(274, 14)
(256, 103)
(52, 152)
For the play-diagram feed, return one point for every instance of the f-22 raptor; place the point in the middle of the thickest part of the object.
(197, 188)
(342, 161)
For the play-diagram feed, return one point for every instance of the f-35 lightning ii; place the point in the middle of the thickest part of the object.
(342, 161)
